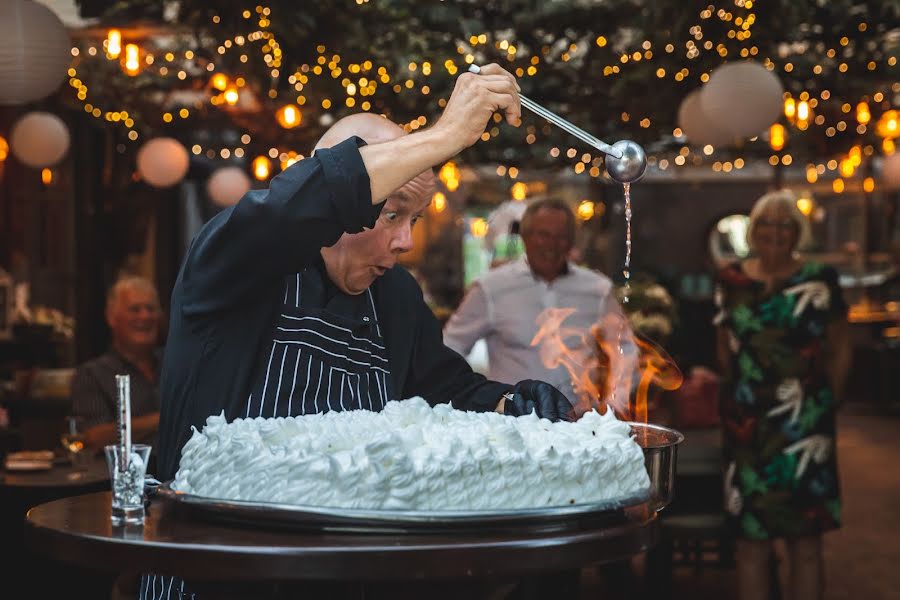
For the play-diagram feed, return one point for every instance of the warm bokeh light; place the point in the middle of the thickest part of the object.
(868, 184)
(519, 191)
(449, 176)
(219, 81)
(805, 206)
(777, 136)
(846, 168)
(790, 108)
(289, 158)
(888, 125)
(888, 146)
(262, 167)
(863, 115)
(585, 210)
(811, 174)
(479, 227)
(288, 116)
(46, 176)
(231, 96)
(132, 59)
(803, 111)
(838, 186)
(4, 148)
(439, 202)
(114, 43)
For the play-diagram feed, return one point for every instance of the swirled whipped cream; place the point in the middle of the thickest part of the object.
(413, 456)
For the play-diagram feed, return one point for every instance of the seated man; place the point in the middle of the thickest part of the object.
(133, 313)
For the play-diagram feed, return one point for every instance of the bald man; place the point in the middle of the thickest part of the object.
(292, 302)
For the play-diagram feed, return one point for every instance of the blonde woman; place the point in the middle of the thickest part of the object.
(784, 354)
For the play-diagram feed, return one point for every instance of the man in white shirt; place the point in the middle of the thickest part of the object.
(503, 307)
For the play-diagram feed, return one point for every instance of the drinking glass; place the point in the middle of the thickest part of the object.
(128, 483)
(73, 442)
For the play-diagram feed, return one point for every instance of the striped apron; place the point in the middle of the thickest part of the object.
(319, 361)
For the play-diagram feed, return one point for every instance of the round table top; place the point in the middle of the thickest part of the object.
(64, 475)
(78, 530)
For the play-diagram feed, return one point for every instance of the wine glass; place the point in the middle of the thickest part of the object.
(73, 442)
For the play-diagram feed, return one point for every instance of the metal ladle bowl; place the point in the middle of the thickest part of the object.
(631, 167)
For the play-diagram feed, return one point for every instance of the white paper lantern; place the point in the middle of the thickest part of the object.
(742, 98)
(227, 185)
(162, 162)
(890, 171)
(39, 139)
(35, 51)
(694, 123)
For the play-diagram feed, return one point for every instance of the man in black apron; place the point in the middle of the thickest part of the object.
(291, 302)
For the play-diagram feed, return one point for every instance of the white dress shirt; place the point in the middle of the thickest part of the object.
(502, 307)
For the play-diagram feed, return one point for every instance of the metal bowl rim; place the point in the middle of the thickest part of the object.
(674, 436)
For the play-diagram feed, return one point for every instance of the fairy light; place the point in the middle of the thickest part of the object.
(449, 176)
(777, 137)
(439, 202)
(519, 191)
(585, 210)
(863, 116)
(479, 227)
(262, 167)
(805, 206)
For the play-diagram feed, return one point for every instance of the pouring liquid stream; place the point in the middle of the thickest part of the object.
(626, 271)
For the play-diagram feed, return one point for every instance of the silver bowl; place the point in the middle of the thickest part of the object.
(660, 445)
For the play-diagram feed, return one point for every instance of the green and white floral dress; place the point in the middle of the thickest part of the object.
(778, 409)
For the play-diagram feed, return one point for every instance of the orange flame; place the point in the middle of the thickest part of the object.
(605, 378)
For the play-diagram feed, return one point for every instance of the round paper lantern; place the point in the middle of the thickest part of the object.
(39, 139)
(890, 171)
(227, 185)
(696, 125)
(742, 98)
(35, 51)
(162, 162)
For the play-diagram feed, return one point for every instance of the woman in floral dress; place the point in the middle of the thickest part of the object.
(784, 353)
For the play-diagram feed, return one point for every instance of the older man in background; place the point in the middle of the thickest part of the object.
(133, 316)
(503, 306)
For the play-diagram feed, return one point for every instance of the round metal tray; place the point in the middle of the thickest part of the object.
(574, 516)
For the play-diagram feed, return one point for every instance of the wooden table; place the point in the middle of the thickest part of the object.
(77, 530)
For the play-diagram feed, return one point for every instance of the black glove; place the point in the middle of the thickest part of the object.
(540, 397)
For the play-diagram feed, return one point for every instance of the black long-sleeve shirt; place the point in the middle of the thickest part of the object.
(228, 292)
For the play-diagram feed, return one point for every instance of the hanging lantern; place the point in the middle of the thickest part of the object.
(39, 139)
(742, 98)
(35, 51)
(132, 63)
(113, 43)
(694, 123)
(227, 186)
(288, 116)
(163, 162)
(262, 167)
